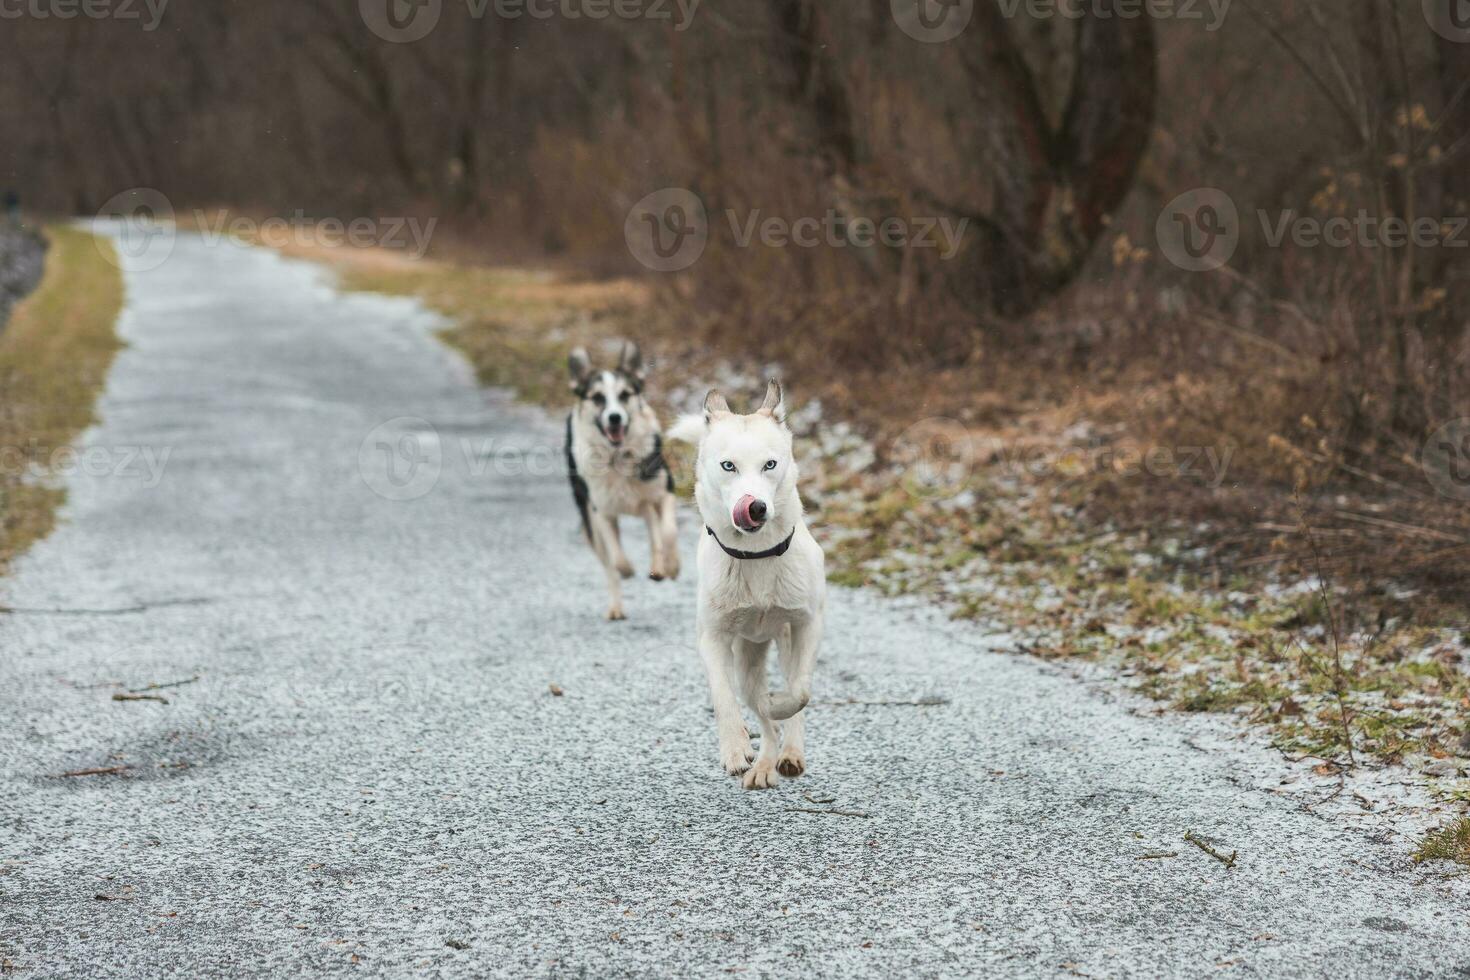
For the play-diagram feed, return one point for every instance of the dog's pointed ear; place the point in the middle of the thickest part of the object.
(775, 404)
(631, 363)
(580, 366)
(715, 405)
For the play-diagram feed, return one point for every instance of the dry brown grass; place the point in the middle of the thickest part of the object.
(54, 357)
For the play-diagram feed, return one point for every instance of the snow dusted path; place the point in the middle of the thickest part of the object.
(371, 776)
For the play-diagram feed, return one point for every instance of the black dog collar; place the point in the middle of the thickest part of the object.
(775, 552)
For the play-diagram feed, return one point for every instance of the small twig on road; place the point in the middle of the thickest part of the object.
(1341, 786)
(1229, 862)
(829, 813)
(109, 771)
(163, 687)
(140, 697)
(819, 802)
(1157, 856)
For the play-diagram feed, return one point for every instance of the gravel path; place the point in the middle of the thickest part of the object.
(371, 774)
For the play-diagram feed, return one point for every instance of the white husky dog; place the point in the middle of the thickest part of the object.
(616, 462)
(762, 578)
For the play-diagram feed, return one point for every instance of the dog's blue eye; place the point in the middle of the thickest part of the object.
(771, 465)
(727, 466)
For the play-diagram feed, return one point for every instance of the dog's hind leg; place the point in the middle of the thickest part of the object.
(656, 569)
(792, 761)
(718, 657)
(751, 662)
(603, 535)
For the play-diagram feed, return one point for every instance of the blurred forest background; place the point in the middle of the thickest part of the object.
(1062, 139)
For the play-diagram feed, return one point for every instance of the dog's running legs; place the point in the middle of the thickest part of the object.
(669, 517)
(604, 542)
(615, 551)
(751, 662)
(793, 731)
(655, 543)
(798, 660)
(718, 656)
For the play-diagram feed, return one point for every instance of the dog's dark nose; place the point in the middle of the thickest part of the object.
(757, 511)
(614, 419)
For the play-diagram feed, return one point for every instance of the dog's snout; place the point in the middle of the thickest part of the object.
(616, 418)
(758, 510)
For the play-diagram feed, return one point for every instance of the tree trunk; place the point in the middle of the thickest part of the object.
(1057, 188)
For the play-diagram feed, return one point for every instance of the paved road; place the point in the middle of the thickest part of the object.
(370, 774)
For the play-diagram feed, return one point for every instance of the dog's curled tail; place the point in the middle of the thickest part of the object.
(689, 428)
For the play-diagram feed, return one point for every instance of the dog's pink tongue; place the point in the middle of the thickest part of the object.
(743, 520)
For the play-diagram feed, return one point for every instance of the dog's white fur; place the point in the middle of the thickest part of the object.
(745, 605)
(623, 479)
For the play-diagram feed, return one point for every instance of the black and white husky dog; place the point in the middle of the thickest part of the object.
(616, 458)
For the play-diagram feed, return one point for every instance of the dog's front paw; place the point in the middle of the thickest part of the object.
(615, 614)
(762, 775)
(736, 757)
(791, 763)
(784, 705)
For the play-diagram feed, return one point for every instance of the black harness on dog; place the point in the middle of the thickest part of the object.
(654, 463)
(775, 552)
